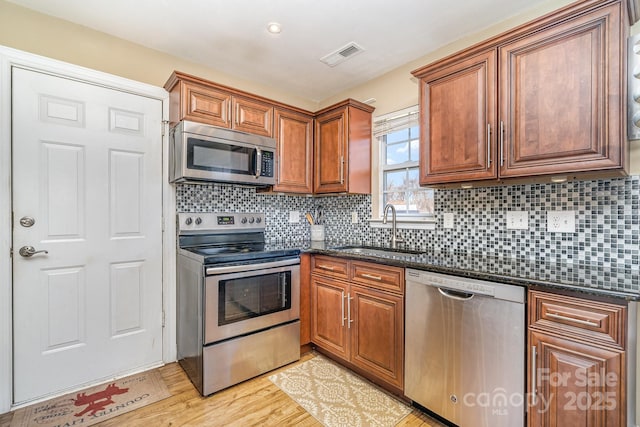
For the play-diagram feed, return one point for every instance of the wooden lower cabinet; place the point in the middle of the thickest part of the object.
(328, 324)
(574, 381)
(577, 384)
(305, 299)
(377, 331)
(359, 324)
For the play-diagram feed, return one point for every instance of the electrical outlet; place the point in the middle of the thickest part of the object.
(448, 219)
(354, 217)
(517, 220)
(561, 221)
(294, 216)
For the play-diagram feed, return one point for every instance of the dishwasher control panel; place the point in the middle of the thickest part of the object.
(466, 285)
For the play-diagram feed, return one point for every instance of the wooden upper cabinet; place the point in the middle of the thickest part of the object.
(458, 117)
(342, 155)
(202, 101)
(294, 135)
(252, 116)
(206, 105)
(330, 152)
(546, 98)
(561, 97)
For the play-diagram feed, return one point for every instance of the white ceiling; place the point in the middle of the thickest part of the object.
(231, 35)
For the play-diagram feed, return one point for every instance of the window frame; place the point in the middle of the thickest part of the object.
(383, 125)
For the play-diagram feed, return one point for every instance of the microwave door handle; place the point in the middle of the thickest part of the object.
(258, 162)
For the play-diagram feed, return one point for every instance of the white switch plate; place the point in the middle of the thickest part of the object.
(448, 219)
(354, 217)
(517, 220)
(294, 216)
(561, 221)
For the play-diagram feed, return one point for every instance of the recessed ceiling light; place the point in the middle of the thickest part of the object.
(274, 28)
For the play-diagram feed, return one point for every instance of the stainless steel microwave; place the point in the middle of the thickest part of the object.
(205, 153)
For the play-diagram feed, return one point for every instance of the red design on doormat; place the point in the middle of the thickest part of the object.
(97, 401)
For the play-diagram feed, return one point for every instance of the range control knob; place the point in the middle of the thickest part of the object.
(258, 220)
(251, 220)
(244, 220)
(188, 221)
(198, 221)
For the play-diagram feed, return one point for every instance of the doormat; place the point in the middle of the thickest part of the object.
(95, 404)
(337, 397)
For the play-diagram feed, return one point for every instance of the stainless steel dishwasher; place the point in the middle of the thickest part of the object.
(465, 349)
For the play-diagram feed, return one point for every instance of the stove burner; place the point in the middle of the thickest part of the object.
(212, 242)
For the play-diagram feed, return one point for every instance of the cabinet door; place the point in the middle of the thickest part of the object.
(252, 117)
(377, 334)
(330, 152)
(305, 299)
(206, 105)
(577, 384)
(294, 134)
(458, 116)
(560, 97)
(328, 315)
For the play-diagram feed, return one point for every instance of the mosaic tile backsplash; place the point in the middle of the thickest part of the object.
(607, 220)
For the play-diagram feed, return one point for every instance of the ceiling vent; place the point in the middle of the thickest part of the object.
(345, 52)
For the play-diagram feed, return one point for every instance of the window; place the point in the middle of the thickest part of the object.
(398, 138)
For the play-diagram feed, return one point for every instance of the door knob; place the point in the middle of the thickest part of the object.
(29, 251)
(27, 221)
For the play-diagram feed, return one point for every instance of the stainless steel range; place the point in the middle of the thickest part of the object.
(238, 300)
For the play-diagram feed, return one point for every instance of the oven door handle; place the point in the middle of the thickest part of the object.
(210, 271)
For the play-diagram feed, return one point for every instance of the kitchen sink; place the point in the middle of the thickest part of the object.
(376, 251)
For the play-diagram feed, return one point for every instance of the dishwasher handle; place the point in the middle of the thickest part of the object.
(456, 295)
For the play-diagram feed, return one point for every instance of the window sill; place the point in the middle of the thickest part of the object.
(413, 224)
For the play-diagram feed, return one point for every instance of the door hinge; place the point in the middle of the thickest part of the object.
(163, 318)
(165, 125)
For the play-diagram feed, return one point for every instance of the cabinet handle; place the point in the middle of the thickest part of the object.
(488, 145)
(571, 319)
(534, 376)
(501, 143)
(342, 315)
(371, 276)
(341, 170)
(349, 320)
(325, 267)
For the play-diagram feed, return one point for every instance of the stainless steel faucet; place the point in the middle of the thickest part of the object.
(394, 239)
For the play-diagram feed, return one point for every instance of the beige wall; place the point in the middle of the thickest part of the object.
(30, 31)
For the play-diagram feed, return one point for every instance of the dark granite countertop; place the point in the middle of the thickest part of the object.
(615, 280)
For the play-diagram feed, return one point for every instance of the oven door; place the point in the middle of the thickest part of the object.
(242, 299)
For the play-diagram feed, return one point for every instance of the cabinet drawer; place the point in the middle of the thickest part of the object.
(378, 276)
(329, 266)
(581, 318)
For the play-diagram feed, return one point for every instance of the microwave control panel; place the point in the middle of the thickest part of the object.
(267, 163)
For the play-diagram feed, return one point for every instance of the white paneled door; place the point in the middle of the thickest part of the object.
(87, 164)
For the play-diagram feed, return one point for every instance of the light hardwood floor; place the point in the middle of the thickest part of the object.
(257, 402)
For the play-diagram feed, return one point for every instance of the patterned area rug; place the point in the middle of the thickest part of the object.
(95, 404)
(337, 397)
